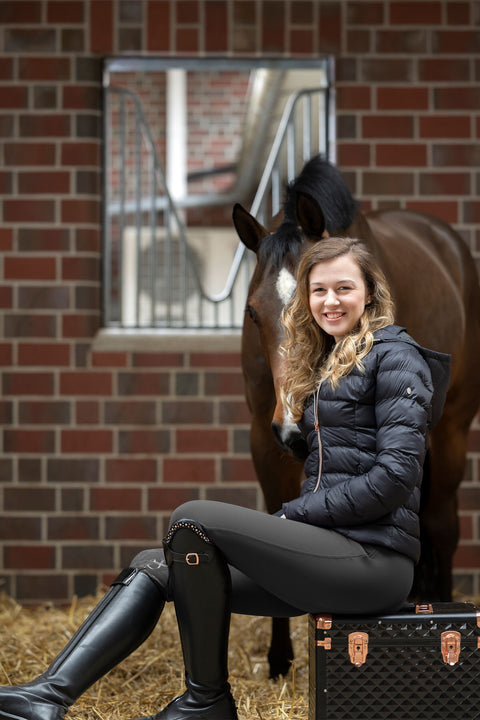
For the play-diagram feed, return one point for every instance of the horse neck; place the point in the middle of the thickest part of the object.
(361, 229)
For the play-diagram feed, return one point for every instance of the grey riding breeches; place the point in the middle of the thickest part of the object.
(283, 568)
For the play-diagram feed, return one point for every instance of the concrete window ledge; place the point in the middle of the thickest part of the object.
(137, 340)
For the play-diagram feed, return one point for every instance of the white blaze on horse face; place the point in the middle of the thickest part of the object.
(285, 285)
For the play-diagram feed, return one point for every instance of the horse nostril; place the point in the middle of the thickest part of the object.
(290, 440)
(277, 434)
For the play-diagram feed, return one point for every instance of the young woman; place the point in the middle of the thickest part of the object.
(365, 396)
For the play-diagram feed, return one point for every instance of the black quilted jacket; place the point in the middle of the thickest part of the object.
(373, 434)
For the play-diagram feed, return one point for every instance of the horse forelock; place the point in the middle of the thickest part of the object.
(285, 242)
(324, 182)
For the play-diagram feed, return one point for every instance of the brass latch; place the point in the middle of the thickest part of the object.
(326, 644)
(323, 622)
(358, 648)
(424, 609)
(451, 642)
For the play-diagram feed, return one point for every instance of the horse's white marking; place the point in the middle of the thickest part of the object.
(286, 285)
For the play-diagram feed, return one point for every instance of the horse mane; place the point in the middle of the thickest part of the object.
(324, 182)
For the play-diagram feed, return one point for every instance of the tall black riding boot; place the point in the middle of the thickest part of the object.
(122, 620)
(201, 589)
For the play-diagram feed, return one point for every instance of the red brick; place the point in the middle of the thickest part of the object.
(49, 587)
(88, 240)
(438, 183)
(81, 154)
(73, 527)
(170, 498)
(144, 441)
(412, 98)
(87, 412)
(20, 325)
(6, 68)
(81, 211)
(365, 13)
(158, 25)
(110, 499)
(131, 528)
(80, 326)
(233, 412)
(5, 354)
(101, 27)
(401, 155)
(416, 12)
(438, 69)
(29, 557)
(29, 268)
(388, 183)
(224, 383)
(354, 97)
(13, 96)
(457, 98)
(87, 556)
(387, 126)
(458, 13)
(51, 183)
(6, 297)
(28, 383)
(30, 154)
(194, 470)
(329, 27)
(188, 412)
(151, 383)
(301, 42)
(389, 70)
(187, 40)
(127, 412)
(238, 470)
(85, 383)
(14, 13)
(35, 354)
(86, 441)
(6, 239)
(65, 11)
(29, 441)
(40, 126)
(273, 26)
(109, 359)
(187, 12)
(20, 527)
(45, 297)
(467, 556)
(459, 154)
(200, 441)
(353, 154)
(216, 26)
(29, 211)
(44, 68)
(44, 413)
(82, 97)
(27, 498)
(46, 239)
(152, 359)
(126, 470)
(447, 211)
(358, 41)
(471, 211)
(444, 126)
(406, 42)
(456, 41)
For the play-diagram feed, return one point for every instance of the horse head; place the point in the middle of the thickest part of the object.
(317, 205)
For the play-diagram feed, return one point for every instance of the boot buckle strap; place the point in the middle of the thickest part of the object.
(192, 558)
(189, 558)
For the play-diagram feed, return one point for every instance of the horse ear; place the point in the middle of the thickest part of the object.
(249, 230)
(310, 216)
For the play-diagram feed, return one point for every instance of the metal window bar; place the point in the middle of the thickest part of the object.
(183, 301)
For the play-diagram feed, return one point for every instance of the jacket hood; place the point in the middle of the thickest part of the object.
(438, 362)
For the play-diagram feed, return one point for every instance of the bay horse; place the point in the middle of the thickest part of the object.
(435, 288)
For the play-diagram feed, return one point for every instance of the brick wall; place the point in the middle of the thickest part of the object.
(97, 447)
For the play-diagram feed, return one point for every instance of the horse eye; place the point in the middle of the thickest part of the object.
(252, 313)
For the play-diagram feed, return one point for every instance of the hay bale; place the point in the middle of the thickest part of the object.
(153, 675)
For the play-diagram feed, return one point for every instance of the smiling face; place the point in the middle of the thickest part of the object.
(337, 295)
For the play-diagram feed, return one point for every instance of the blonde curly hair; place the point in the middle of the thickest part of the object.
(311, 355)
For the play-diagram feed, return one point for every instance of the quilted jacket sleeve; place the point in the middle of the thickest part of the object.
(402, 409)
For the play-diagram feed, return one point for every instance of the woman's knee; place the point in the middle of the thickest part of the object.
(191, 510)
